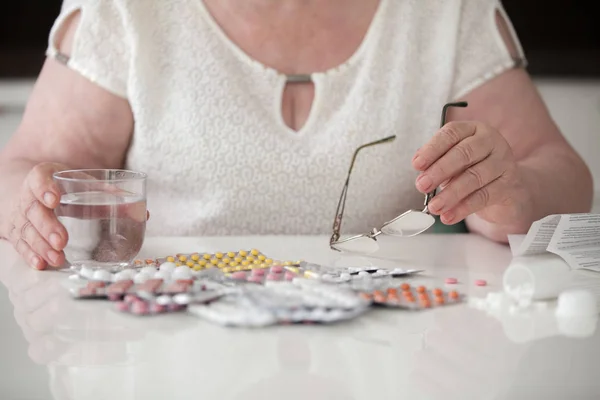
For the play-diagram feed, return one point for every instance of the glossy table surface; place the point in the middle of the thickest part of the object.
(54, 347)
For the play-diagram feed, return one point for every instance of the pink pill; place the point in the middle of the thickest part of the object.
(480, 282)
(122, 306)
(289, 276)
(273, 277)
(139, 307)
(258, 272)
(277, 269)
(451, 281)
(241, 275)
(157, 308)
(114, 297)
(130, 298)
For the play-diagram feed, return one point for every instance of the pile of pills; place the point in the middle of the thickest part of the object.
(413, 298)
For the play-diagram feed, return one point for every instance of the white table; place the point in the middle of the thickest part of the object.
(54, 347)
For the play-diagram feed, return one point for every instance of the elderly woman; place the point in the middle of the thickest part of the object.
(245, 115)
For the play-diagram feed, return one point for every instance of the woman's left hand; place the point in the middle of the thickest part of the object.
(475, 167)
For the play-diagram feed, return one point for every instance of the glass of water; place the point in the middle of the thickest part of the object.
(104, 213)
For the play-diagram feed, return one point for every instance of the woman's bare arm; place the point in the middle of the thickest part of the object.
(68, 120)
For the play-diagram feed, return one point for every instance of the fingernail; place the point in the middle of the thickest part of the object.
(419, 162)
(53, 256)
(36, 262)
(424, 182)
(436, 205)
(49, 199)
(55, 240)
(448, 217)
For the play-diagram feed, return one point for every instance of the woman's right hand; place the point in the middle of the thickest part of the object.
(34, 231)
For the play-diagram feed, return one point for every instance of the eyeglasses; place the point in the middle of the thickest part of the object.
(410, 223)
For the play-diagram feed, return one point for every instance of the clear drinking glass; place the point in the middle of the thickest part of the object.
(104, 212)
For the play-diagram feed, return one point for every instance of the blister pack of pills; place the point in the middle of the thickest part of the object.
(275, 273)
(151, 304)
(346, 274)
(411, 298)
(283, 303)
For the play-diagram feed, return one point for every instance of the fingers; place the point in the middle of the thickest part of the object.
(491, 194)
(465, 154)
(447, 137)
(19, 243)
(42, 186)
(466, 183)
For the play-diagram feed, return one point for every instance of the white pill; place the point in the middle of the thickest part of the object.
(163, 300)
(577, 303)
(167, 266)
(148, 270)
(182, 298)
(124, 275)
(364, 274)
(398, 271)
(164, 275)
(86, 272)
(74, 277)
(141, 277)
(345, 276)
(182, 272)
(102, 275)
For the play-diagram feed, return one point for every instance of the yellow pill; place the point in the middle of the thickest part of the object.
(293, 269)
(250, 258)
(254, 252)
(219, 255)
(261, 257)
(245, 263)
(231, 254)
(202, 263)
(195, 257)
(239, 268)
(268, 261)
(227, 270)
(206, 256)
(243, 253)
(221, 265)
(287, 263)
(209, 266)
(214, 261)
(238, 259)
(257, 262)
(182, 258)
(233, 263)
(190, 263)
(227, 260)
(178, 264)
(171, 259)
(263, 265)
(197, 267)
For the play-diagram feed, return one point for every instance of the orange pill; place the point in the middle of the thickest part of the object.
(366, 296)
(410, 298)
(426, 304)
(424, 296)
(379, 298)
(405, 287)
(421, 289)
(439, 300)
(437, 291)
(453, 295)
(392, 292)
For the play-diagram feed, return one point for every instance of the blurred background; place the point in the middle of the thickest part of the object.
(561, 39)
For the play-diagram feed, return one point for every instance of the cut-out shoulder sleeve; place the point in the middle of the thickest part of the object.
(100, 49)
(487, 45)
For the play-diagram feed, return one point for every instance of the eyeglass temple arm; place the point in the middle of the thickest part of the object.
(339, 213)
(462, 104)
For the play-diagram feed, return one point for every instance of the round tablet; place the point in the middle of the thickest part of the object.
(183, 272)
(139, 307)
(148, 270)
(124, 275)
(480, 282)
(102, 275)
(451, 281)
(258, 271)
(164, 275)
(163, 300)
(141, 277)
(182, 299)
(576, 303)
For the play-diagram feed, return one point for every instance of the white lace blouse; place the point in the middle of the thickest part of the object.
(208, 126)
